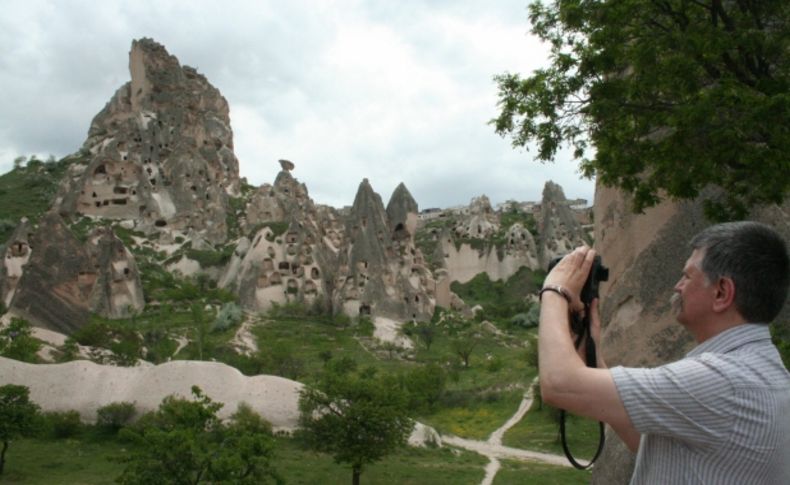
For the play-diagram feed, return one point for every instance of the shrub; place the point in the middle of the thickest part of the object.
(115, 416)
(229, 316)
(62, 424)
(365, 326)
(68, 351)
(17, 341)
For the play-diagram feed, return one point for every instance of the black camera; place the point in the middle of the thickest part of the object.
(598, 273)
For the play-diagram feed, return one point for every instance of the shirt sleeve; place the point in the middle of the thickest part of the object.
(690, 400)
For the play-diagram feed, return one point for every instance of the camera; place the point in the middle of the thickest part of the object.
(598, 273)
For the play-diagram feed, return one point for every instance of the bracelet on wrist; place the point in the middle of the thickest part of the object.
(555, 289)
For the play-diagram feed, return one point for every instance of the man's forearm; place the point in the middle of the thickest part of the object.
(558, 360)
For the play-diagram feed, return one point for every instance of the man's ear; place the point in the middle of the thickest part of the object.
(724, 297)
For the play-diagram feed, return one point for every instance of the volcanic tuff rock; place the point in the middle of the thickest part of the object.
(362, 263)
(55, 281)
(385, 274)
(480, 221)
(160, 152)
(559, 230)
(15, 256)
(645, 255)
(402, 212)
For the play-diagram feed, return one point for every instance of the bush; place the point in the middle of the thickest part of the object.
(62, 424)
(229, 316)
(17, 341)
(68, 351)
(114, 416)
(365, 326)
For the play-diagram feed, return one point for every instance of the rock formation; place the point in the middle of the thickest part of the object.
(84, 386)
(479, 222)
(160, 152)
(645, 254)
(560, 232)
(55, 281)
(480, 243)
(118, 291)
(381, 271)
(15, 256)
(361, 263)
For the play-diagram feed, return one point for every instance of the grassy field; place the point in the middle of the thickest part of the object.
(539, 431)
(92, 461)
(523, 473)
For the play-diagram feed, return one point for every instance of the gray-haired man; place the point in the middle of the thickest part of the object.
(720, 415)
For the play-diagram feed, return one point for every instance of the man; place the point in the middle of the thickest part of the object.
(720, 415)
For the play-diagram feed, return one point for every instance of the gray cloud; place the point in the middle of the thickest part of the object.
(347, 89)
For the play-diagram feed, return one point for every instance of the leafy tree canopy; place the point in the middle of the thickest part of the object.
(17, 416)
(673, 95)
(184, 442)
(357, 416)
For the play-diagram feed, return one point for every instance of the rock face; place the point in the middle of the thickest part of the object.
(560, 232)
(481, 243)
(645, 255)
(160, 152)
(55, 281)
(85, 387)
(15, 257)
(480, 221)
(383, 273)
(118, 291)
(364, 262)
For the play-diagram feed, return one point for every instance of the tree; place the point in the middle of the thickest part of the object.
(358, 417)
(426, 385)
(184, 442)
(17, 416)
(463, 345)
(426, 331)
(17, 341)
(674, 95)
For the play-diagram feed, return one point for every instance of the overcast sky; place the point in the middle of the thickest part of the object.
(392, 90)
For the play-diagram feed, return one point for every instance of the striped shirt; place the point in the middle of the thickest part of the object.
(721, 415)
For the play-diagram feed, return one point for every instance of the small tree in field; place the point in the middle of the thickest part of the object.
(358, 417)
(184, 442)
(17, 416)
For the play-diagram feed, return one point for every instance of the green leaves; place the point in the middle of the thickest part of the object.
(184, 442)
(357, 416)
(674, 96)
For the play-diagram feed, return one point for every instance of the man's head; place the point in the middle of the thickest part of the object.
(754, 257)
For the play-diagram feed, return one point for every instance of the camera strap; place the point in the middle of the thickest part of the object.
(591, 360)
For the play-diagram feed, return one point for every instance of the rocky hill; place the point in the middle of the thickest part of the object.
(158, 168)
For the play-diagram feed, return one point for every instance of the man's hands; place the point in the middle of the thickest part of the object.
(571, 273)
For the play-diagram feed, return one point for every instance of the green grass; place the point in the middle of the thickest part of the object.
(28, 191)
(525, 473)
(87, 462)
(69, 461)
(309, 337)
(539, 431)
(415, 466)
(476, 419)
(91, 461)
(501, 300)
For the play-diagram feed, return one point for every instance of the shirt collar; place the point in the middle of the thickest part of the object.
(732, 338)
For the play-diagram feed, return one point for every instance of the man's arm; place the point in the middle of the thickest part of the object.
(565, 381)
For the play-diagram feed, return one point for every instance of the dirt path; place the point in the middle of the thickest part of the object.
(494, 450)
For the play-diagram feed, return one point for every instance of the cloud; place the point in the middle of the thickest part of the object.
(346, 89)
